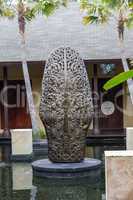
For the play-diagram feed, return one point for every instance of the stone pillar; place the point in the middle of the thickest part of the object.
(119, 175)
(129, 138)
(21, 144)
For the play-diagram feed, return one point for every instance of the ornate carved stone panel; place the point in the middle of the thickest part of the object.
(66, 105)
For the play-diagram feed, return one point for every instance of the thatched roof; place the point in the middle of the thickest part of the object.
(63, 28)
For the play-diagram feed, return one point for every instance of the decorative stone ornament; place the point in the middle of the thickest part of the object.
(66, 107)
(107, 108)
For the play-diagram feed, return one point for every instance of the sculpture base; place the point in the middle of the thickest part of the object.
(22, 158)
(89, 168)
(40, 147)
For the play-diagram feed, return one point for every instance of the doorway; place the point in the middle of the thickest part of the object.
(110, 107)
(18, 113)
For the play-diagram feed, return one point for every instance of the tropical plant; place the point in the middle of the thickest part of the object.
(25, 11)
(5, 10)
(101, 11)
(41, 133)
(120, 78)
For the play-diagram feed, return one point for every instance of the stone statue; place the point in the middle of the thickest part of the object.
(66, 107)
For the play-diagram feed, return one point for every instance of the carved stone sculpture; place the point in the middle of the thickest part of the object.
(66, 105)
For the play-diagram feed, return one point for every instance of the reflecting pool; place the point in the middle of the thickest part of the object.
(17, 181)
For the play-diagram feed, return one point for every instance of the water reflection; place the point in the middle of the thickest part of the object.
(22, 176)
(17, 183)
(5, 183)
(98, 151)
(5, 153)
(67, 190)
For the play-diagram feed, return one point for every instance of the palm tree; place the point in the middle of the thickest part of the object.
(101, 11)
(26, 10)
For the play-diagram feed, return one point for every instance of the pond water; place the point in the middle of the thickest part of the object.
(18, 183)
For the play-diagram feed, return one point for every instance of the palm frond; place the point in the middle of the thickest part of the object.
(129, 20)
(122, 77)
(47, 7)
(30, 13)
(90, 20)
(114, 4)
(94, 12)
(6, 10)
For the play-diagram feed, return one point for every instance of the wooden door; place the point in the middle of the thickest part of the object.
(1, 107)
(110, 107)
(18, 114)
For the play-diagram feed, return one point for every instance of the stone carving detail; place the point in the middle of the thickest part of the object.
(66, 105)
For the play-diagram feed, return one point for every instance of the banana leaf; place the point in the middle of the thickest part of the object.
(120, 78)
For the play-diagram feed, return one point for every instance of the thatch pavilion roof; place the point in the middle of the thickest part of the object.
(63, 28)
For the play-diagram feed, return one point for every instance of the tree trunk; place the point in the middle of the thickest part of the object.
(21, 24)
(126, 68)
(30, 99)
(129, 81)
(32, 110)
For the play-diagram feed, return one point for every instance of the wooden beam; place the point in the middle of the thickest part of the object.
(6, 131)
(95, 102)
(129, 81)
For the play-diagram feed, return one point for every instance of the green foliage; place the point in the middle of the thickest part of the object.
(101, 11)
(39, 135)
(47, 7)
(96, 12)
(5, 10)
(30, 13)
(129, 21)
(115, 4)
(26, 10)
(122, 77)
(29, 8)
(90, 19)
(42, 134)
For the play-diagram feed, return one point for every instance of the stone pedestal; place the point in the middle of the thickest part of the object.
(67, 189)
(21, 144)
(129, 138)
(119, 175)
(40, 147)
(89, 168)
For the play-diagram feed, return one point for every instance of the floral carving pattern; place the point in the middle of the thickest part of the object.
(66, 107)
